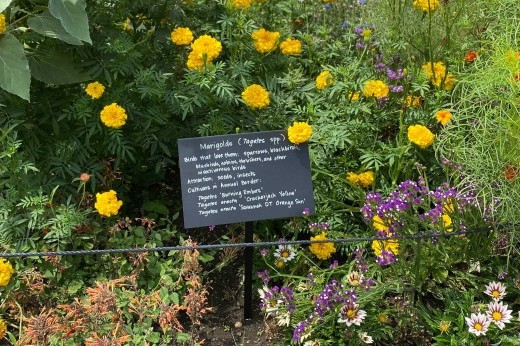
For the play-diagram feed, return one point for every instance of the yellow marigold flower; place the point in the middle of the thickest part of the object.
(353, 96)
(256, 97)
(107, 203)
(241, 3)
(412, 101)
(426, 5)
(420, 135)
(265, 41)
(291, 46)
(366, 179)
(324, 80)
(390, 245)
(195, 62)
(6, 271)
(95, 90)
(113, 116)
(449, 82)
(181, 36)
(379, 224)
(3, 25)
(322, 250)
(206, 47)
(443, 116)
(375, 88)
(3, 328)
(299, 132)
(437, 74)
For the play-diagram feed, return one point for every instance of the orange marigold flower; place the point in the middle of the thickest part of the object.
(471, 56)
(443, 116)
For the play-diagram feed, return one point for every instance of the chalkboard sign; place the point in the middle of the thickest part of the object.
(243, 177)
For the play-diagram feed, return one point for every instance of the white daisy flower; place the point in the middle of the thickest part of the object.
(285, 253)
(478, 324)
(496, 290)
(367, 339)
(498, 314)
(351, 314)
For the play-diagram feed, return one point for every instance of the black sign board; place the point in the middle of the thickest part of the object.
(243, 177)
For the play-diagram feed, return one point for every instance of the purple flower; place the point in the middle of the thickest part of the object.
(264, 252)
(264, 275)
(299, 331)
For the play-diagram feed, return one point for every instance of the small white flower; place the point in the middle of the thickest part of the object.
(285, 253)
(478, 324)
(350, 314)
(496, 290)
(312, 343)
(474, 266)
(498, 314)
(367, 339)
(283, 320)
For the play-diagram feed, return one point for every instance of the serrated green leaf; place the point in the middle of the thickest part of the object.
(56, 67)
(4, 4)
(47, 25)
(15, 76)
(73, 17)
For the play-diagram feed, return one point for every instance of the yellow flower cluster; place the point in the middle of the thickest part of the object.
(324, 80)
(390, 245)
(353, 96)
(364, 179)
(291, 46)
(426, 5)
(375, 88)
(256, 96)
(443, 116)
(420, 135)
(95, 90)
(379, 224)
(113, 116)
(412, 101)
(438, 75)
(265, 41)
(299, 132)
(241, 3)
(3, 329)
(204, 50)
(447, 223)
(107, 203)
(322, 250)
(6, 271)
(181, 36)
(3, 25)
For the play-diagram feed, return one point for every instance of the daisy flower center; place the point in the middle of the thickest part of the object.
(477, 326)
(285, 254)
(497, 316)
(495, 294)
(351, 313)
(279, 263)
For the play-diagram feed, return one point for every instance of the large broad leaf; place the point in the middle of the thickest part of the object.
(4, 4)
(15, 76)
(56, 67)
(73, 17)
(48, 25)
